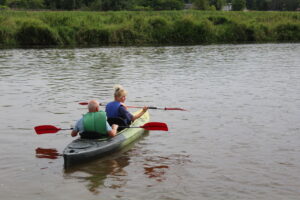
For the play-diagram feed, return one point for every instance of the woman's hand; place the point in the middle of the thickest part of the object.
(145, 109)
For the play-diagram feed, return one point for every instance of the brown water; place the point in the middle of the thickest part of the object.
(239, 138)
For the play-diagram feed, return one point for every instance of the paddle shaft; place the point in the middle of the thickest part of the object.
(151, 126)
(150, 107)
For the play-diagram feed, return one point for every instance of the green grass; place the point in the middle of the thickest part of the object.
(78, 28)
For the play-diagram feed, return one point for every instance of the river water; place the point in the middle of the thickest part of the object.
(239, 139)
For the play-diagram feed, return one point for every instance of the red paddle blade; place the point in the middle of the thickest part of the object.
(155, 126)
(46, 129)
(175, 109)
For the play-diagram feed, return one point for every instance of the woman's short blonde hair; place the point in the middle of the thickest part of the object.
(119, 91)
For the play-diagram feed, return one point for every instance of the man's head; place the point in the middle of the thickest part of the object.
(93, 106)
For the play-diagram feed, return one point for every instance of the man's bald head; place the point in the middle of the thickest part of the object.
(93, 106)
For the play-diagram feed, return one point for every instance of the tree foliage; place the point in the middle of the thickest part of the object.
(273, 4)
(238, 4)
(105, 5)
(28, 4)
(219, 4)
(201, 4)
(2, 2)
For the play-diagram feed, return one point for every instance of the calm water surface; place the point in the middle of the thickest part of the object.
(239, 139)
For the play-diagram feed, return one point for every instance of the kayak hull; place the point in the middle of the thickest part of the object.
(81, 150)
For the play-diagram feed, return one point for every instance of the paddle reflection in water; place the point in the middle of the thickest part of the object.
(50, 153)
(157, 167)
(156, 172)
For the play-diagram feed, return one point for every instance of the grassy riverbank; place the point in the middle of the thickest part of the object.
(76, 28)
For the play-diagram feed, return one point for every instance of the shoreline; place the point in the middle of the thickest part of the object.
(84, 29)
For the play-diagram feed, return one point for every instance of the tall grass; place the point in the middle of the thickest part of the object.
(77, 28)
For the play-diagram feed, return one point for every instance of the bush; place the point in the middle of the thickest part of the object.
(189, 30)
(93, 36)
(262, 33)
(288, 32)
(218, 20)
(5, 35)
(159, 29)
(3, 7)
(124, 35)
(235, 32)
(166, 27)
(67, 35)
(35, 32)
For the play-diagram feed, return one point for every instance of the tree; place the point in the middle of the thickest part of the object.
(219, 4)
(238, 5)
(251, 4)
(115, 4)
(27, 4)
(168, 5)
(263, 4)
(2, 2)
(201, 4)
(292, 4)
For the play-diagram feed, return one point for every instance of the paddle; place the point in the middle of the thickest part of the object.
(150, 126)
(151, 107)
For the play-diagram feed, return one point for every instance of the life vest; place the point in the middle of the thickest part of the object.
(112, 109)
(95, 122)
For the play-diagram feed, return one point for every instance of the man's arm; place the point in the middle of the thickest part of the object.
(113, 131)
(77, 128)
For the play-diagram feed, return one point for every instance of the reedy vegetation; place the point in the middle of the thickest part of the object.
(77, 28)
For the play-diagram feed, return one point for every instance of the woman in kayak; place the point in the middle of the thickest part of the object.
(117, 111)
(94, 124)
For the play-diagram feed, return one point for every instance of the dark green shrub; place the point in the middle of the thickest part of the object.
(235, 32)
(288, 32)
(92, 36)
(35, 32)
(218, 20)
(124, 35)
(262, 33)
(159, 29)
(6, 36)
(188, 30)
(67, 35)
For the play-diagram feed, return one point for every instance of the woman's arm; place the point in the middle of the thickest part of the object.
(140, 114)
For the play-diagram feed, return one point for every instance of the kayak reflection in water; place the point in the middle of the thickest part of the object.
(94, 124)
(117, 111)
(102, 173)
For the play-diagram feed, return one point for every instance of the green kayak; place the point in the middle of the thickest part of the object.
(81, 150)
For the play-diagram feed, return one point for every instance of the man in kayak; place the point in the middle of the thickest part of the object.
(94, 124)
(117, 111)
